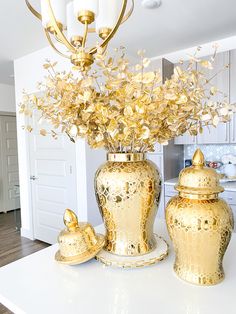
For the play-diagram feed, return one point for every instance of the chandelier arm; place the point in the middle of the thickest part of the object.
(85, 34)
(59, 33)
(90, 30)
(32, 10)
(53, 46)
(114, 30)
(57, 39)
(125, 18)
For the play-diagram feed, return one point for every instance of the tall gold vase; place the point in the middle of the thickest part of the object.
(128, 189)
(199, 224)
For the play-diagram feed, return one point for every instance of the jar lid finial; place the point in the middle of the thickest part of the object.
(70, 220)
(198, 158)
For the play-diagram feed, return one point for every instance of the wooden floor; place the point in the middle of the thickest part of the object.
(13, 246)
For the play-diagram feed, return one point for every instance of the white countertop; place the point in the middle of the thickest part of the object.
(228, 186)
(173, 181)
(37, 284)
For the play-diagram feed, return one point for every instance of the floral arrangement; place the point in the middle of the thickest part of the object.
(126, 108)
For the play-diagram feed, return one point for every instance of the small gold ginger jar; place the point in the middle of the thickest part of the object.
(78, 243)
(200, 224)
(128, 188)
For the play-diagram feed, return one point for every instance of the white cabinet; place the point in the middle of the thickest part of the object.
(223, 133)
(212, 135)
(232, 91)
(185, 139)
(233, 130)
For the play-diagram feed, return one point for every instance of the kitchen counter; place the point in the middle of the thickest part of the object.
(228, 186)
(37, 284)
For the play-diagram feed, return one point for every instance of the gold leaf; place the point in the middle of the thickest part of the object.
(213, 90)
(206, 64)
(146, 62)
(216, 120)
(46, 66)
(43, 132)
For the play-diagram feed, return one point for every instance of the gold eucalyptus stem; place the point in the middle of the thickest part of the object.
(132, 143)
(217, 73)
(142, 74)
(85, 34)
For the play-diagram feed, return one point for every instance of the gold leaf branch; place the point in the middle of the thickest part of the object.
(126, 108)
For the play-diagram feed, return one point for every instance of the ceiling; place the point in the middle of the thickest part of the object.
(176, 25)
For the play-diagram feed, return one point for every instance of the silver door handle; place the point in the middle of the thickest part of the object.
(33, 178)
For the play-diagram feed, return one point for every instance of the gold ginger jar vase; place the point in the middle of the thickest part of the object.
(128, 189)
(200, 224)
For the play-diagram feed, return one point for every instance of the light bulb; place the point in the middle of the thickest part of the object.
(86, 10)
(75, 30)
(108, 15)
(59, 11)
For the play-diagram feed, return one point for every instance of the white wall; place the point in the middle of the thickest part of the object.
(28, 71)
(7, 98)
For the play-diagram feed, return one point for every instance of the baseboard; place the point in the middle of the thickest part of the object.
(26, 233)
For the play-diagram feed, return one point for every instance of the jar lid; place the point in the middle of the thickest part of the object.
(78, 243)
(198, 180)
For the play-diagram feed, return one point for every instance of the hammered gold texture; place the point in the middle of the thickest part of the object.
(128, 194)
(78, 242)
(200, 231)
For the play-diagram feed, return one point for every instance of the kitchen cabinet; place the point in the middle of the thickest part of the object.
(232, 93)
(212, 135)
(224, 132)
(185, 139)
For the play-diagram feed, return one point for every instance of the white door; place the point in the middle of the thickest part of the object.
(53, 181)
(9, 164)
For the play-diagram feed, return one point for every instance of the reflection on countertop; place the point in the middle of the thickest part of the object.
(228, 186)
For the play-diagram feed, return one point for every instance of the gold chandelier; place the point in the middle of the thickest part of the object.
(76, 18)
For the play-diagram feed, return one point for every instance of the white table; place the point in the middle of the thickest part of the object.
(36, 284)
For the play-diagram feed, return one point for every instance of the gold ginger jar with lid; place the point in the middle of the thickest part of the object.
(200, 224)
(78, 243)
(128, 189)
